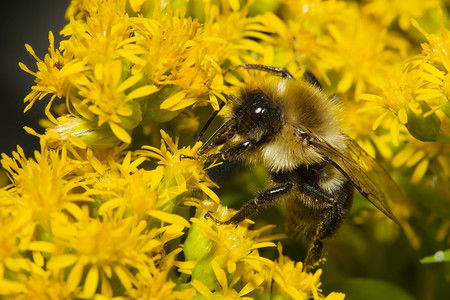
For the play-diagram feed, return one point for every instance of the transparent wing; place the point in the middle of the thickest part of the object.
(370, 179)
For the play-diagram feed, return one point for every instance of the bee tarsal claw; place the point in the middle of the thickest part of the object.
(208, 215)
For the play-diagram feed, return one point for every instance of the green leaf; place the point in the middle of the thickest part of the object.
(438, 257)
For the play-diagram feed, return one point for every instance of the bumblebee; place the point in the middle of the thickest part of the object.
(291, 127)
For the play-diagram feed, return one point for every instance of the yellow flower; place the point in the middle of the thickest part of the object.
(291, 280)
(333, 40)
(228, 264)
(98, 215)
(17, 232)
(359, 125)
(396, 99)
(158, 287)
(46, 185)
(88, 70)
(103, 248)
(180, 174)
(428, 160)
(417, 98)
(122, 236)
(402, 11)
(231, 32)
(56, 74)
(34, 283)
(173, 56)
(220, 252)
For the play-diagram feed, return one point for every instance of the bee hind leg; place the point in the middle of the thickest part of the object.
(314, 255)
(331, 220)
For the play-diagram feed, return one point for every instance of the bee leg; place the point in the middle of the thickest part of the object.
(316, 193)
(314, 254)
(266, 198)
(211, 118)
(315, 249)
(209, 215)
(229, 153)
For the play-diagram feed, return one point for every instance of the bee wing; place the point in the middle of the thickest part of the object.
(370, 179)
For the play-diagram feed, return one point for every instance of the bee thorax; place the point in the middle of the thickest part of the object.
(286, 155)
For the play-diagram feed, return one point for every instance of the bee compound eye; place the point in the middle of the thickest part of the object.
(257, 112)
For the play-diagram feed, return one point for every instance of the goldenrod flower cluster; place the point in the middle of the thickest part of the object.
(102, 210)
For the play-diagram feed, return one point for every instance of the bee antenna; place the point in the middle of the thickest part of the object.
(211, 118)
(295, 53)
(278, 71)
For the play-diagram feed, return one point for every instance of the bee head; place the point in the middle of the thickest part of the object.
(253, 116)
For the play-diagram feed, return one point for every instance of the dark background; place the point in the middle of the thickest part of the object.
(24, 22)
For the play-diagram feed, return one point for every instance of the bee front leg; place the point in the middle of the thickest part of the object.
(229, 153)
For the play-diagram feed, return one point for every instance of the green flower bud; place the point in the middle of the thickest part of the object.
(426, 129)
(153, 107)
(82, 133)
(197, 246)
(132, 121)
